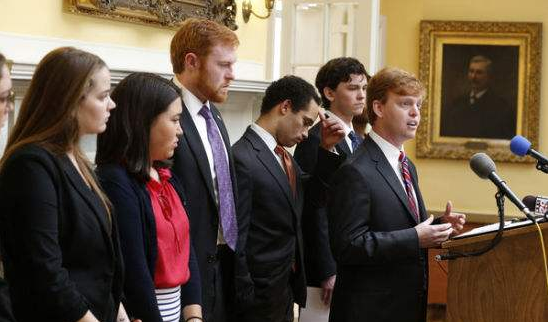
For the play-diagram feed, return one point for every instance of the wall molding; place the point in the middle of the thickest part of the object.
(26, 51)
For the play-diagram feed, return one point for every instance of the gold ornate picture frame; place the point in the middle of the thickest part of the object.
(166, 13)
(483, 88)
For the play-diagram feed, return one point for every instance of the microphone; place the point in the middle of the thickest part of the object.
(485, 168)
(521, 146)
(539, 204)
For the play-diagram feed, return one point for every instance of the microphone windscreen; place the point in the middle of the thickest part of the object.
(482, 165)
(520, 145)
(530, 201)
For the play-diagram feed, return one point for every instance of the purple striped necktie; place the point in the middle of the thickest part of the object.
(408, 185)
(227, 210)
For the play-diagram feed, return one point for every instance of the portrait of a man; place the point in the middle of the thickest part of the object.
(479, 91)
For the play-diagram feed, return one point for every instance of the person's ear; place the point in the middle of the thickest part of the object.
(192, 62)
(378, 108)
(285, 107)
(329, 93)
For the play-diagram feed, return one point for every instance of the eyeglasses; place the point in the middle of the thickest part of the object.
(10, 98)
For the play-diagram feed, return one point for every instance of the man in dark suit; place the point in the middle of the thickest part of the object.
(341, 83)
(271, 185)
(203, 54)
(480, 113)
(378, 224)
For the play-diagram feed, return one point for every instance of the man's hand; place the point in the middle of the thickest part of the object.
(456, 219)
(327, 289)
(332, 132)
(432, 235)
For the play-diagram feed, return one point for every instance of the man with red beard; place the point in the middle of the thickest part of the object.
(203, 54)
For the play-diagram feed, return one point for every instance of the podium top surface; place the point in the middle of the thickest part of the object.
(487, 232)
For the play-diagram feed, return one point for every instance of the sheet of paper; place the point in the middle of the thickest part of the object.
(315, 310)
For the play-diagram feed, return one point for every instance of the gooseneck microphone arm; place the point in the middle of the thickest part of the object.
(505, 190)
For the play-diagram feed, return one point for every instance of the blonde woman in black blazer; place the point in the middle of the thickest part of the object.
(59, 243)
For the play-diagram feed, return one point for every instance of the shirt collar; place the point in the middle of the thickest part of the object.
(268, 139)
(390, 151)
(478, 94)
(192, 103)
(347, 129)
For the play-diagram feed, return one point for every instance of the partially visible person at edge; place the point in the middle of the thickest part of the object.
(203, 54)
(7, 97)
(341, 83)
(162, 278)
(59, 241)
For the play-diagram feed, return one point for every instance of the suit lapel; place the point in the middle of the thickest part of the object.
(87, 195)
(386, 170)
(192, 136)
(420, 201)
(220, 124)
(343, 148)
(271, 164)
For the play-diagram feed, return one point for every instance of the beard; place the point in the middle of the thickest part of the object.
(212, 92)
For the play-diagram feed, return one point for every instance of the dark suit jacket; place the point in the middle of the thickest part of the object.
(192, 167)
(318, 259)
(381, 271)
(269, 221)
(139, 243)
(61, 253)
(490, 117)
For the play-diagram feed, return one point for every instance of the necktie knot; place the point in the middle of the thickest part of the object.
(280, 150)
(402, 157)
(287, 164)
(205, 112)
(355, 139)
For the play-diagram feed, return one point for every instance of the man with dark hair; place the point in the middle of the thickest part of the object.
(203, 54)
(480, 112)
(378, 224)
(341, 83)
(270, 273)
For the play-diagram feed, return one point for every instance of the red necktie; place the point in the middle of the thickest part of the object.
(288, 167)
(408, 184)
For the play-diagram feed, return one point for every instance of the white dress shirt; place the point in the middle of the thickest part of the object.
(269, 140)
(392, 154)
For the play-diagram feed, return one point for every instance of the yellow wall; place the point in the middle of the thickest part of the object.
(441, 180)
(48, 18)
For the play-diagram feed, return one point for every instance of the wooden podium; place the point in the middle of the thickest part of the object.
(505, 284)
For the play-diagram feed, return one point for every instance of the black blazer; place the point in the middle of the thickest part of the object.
(61, 252)
(269, 221)
(139, 243)
(192, 168)
(318, 259)
(381, 271)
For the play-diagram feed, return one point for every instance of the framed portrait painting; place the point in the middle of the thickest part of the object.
(483, 88)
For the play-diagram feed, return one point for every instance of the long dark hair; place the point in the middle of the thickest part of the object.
(48, 113)
(139, 98)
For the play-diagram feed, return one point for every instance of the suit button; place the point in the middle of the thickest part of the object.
(211, 258)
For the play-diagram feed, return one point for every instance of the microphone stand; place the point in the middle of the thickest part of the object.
(499, 196)
(542, 166)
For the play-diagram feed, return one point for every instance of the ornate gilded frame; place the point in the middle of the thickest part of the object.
(433, 36)
(166, 13)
